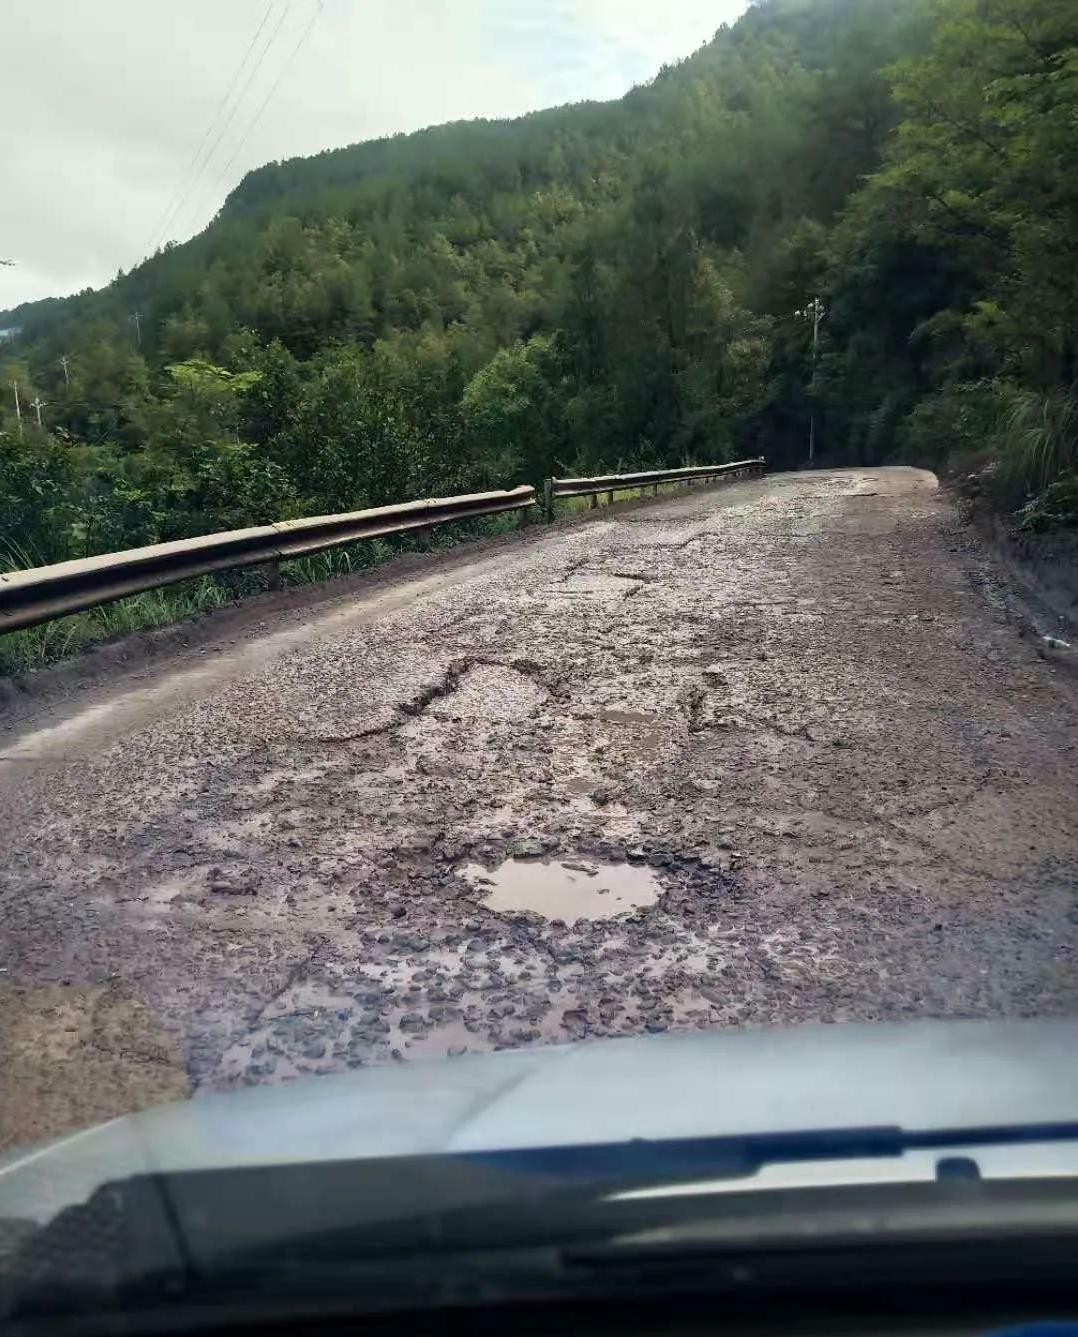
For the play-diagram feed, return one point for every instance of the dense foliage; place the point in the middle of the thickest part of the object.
(594, 286)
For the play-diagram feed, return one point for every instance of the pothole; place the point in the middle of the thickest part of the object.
(564, 890)
(626, 716)
(492, 692)
(598, 583)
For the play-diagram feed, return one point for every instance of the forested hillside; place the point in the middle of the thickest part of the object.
(598, 285)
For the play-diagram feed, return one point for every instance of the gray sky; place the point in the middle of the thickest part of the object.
(105, 104)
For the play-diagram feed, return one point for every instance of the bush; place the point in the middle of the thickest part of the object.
(954, 430)
(1054, 508)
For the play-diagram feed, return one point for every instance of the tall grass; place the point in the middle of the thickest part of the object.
(34, 647)
(1038, 438)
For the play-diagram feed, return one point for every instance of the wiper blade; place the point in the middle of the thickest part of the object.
(182, 1232)
(747, 1153)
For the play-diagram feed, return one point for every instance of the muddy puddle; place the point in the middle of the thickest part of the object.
(564, 890)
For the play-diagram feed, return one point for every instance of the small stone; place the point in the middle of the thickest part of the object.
(526, 849)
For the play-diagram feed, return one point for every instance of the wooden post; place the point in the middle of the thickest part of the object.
(273, 575)
(594, 501)
(610, 497)
(654, 489)
(523, 516)
(548, 499)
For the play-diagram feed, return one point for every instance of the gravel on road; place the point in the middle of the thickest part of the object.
(772, 753)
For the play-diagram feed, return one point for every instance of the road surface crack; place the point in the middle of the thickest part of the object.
(441, 688)
(445, 685)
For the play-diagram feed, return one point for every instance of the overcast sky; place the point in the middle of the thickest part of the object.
(113, 111)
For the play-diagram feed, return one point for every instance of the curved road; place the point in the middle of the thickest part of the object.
(781, 745)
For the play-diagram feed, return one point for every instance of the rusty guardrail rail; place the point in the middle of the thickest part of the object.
(611, 483)
(46, 592)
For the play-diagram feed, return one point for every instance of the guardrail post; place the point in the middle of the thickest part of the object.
(610, 497)
(594, 501)
(654, 489)
(523, 516)
(548, 499)
(273, 575)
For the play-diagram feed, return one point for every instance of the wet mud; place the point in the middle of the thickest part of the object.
(770, 754)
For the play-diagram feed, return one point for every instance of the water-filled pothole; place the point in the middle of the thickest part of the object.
(558, 890)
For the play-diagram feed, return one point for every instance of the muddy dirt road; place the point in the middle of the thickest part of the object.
(764, 754)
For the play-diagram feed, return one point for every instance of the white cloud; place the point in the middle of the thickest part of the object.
(103, 104)
(652, 34)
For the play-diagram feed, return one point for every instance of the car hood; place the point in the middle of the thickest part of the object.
(922, 1075)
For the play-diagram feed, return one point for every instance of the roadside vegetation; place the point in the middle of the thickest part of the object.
(602, 286)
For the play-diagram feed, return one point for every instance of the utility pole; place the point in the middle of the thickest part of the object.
(138, 328)
(37, 404)
(63, 363)
(816, 312)
(18, 408)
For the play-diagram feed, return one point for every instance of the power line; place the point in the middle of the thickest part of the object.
(266, 100)
(166, 217)
(251, 73)
(194, 169)
(236, 105)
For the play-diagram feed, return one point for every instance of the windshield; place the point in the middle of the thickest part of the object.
(538, 584)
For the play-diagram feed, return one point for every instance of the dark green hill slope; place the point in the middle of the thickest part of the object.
(596, 285)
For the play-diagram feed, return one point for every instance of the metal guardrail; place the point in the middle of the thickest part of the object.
(611, 483)
(46, 592)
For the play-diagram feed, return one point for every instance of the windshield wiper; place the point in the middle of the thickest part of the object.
(193, 1232)
(747, 1153)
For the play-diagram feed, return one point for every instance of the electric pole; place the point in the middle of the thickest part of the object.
(138, 328)
(37, 404)
(816, 312)
(18, 408)
(63, 363)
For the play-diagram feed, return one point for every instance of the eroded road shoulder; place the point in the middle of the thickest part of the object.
(769, 754)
